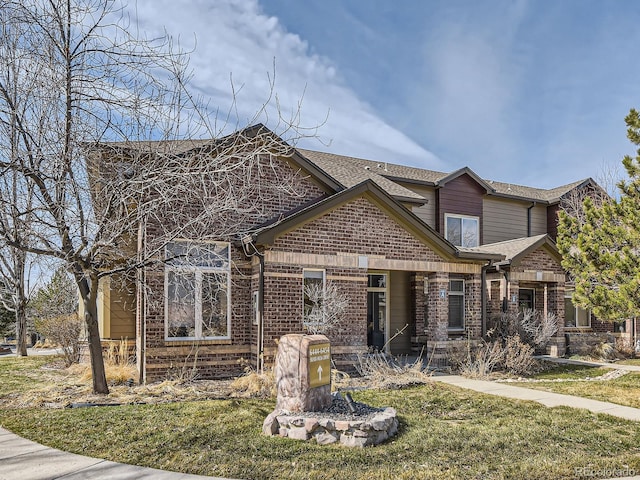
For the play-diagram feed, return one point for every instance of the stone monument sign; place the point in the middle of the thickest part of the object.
(303, 373)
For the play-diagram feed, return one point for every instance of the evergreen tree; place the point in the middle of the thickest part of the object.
(601, 250)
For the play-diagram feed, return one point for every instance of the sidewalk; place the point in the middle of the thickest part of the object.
(23, 459)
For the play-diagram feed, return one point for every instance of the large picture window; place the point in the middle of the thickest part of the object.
(574, 316)
(462, 231)
(456, 304)
(197, 291)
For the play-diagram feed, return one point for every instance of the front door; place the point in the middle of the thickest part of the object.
(377, 309)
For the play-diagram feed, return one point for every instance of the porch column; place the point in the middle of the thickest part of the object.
(438, 318)
(438, 307)
(556, 306)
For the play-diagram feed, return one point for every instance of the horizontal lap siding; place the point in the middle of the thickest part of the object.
(503, 220)
(426, 212)
(400, 313)
(461, 196)
(538, 220)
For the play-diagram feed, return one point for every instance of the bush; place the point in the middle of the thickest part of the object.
(64, 330)
(253, 384)
(386, 371)
(518, 357)
(481, 360)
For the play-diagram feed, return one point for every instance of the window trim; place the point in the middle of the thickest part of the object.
(324, 284)
(569, 296)
(457, 294)
(533, 297)
(462, 218)
(387, 298)
(198, 271)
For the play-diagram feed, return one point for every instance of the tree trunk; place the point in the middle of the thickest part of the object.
(21, 330)
(89, 295)
(20, 260)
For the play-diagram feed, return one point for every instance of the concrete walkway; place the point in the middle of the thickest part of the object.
(23, 459)
(545, 398)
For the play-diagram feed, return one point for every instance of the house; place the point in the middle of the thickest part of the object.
(426, 259)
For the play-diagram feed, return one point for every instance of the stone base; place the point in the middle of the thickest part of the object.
(325, 431)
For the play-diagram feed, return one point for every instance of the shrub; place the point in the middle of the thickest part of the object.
(64, 330)
(386, 371)
(518, 357)
(481, 360)
(253, 384)
(328, 305)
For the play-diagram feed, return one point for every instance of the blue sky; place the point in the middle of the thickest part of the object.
(528, 92)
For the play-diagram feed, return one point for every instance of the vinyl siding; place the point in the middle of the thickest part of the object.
(504, 220)
(538, 220)
(400, 312)
(426, 212)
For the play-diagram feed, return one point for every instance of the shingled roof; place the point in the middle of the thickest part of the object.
(351, 170)
(515, 249)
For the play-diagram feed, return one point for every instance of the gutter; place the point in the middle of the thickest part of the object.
(529, 218)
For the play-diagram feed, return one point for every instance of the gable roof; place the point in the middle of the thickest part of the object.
(514, 250)
(350, 170)
(267, 234)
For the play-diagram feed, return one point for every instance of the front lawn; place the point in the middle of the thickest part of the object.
(445, 432)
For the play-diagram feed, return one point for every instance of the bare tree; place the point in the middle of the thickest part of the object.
(327, 306)
(15, 197)
(97, 113)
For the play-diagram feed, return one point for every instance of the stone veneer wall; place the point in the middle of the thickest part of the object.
(324, 431)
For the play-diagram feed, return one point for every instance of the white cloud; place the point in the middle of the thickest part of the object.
(235, 39)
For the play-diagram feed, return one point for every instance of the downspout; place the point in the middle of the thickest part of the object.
(141, 308)
(505, 298)
(260, 345)
(247, 241)
(483, 297)
(529, 218)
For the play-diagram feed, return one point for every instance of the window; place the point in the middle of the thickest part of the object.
(312, 287)
(574, 316)
(462, 231)
(197, 291)
(456, 304)
(526, 299)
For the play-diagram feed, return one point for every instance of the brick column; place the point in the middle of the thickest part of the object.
(473, 305)
(438, 317)
(556, 305)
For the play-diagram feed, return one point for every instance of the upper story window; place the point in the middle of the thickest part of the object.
(461, 230)
(197, 291)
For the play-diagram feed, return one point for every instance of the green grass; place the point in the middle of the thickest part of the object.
(624, 390)
(445, 432)
(569, 371)
(20, 374)
(630, 361)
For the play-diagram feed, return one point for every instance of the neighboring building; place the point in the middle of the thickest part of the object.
(426, 258)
